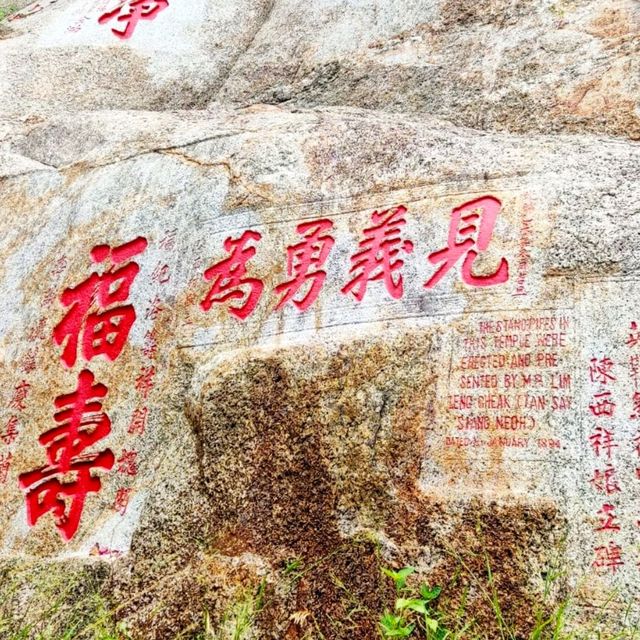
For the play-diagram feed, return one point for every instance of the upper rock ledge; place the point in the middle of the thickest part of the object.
(502, 65)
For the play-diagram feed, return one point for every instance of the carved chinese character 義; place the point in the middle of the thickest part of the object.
(378, 256)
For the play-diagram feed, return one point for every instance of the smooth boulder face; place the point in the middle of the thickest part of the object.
(256, 353)
(80, 54)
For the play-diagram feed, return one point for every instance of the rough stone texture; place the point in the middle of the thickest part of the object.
(289, 457)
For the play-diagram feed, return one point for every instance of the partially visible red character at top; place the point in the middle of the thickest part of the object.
(228, 277)
(304, 264)
(105, 331)
(470, 232)
(130, 13)
(379, 254)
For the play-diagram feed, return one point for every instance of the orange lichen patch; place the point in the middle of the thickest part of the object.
(615, 23)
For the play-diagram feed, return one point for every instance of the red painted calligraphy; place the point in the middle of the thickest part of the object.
(600, 370)
(304, 264)
(127, 463)
(145, 382)
(105, 331)
(602, 440)
(150, 346)
(608, 521)
(121, 502)
(161, 274)
(154, 310)
(228, 277)
(605, 481)
(130, 13)
(20, 394)
(470, 233)
(602, 405)
(10, 431)
(82, 423)
(609, 557)
(138, 423)
(634, 335)
(378, 257)
(5, 466)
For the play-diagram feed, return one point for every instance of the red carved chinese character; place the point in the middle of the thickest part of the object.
(602, 405)
(634, 369)
(161, 274)
(150, 347)
(154, 310)
(19, 397)
(144, 382)
(600, 370)
(37, 332)
(602, 439)
(609, 557)
(634, 335)
(81, 422)
(168, 242)
(608, 519)
(49, 298)
(5, 466)
(470, 232)
(28, 362)
(127, 463)
(104, 332)
(47, 493)
(304, 264)
(378, 256)
(11, 431)
(605, 481)
(635, 401)
(130, 13)
(636, 444)
(59, 266)
(122, 501)
(228, 276)
(138, 422)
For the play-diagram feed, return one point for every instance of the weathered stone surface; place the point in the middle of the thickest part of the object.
(494, 65)
(332, 436)
(267, 466)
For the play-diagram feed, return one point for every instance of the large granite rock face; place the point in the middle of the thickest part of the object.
(392, 320)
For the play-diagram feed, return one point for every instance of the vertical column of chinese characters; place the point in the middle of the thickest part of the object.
(97, 324)
(27, 364)
(127, 461)
(633, 345)
(604, 480)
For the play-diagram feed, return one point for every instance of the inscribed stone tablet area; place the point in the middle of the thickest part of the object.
(536, 392)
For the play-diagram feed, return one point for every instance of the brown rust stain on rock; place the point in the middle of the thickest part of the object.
(492, 552)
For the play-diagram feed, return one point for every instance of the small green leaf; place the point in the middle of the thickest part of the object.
(429, 593)
(414, 604)
(399, 577)
(432, 624)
